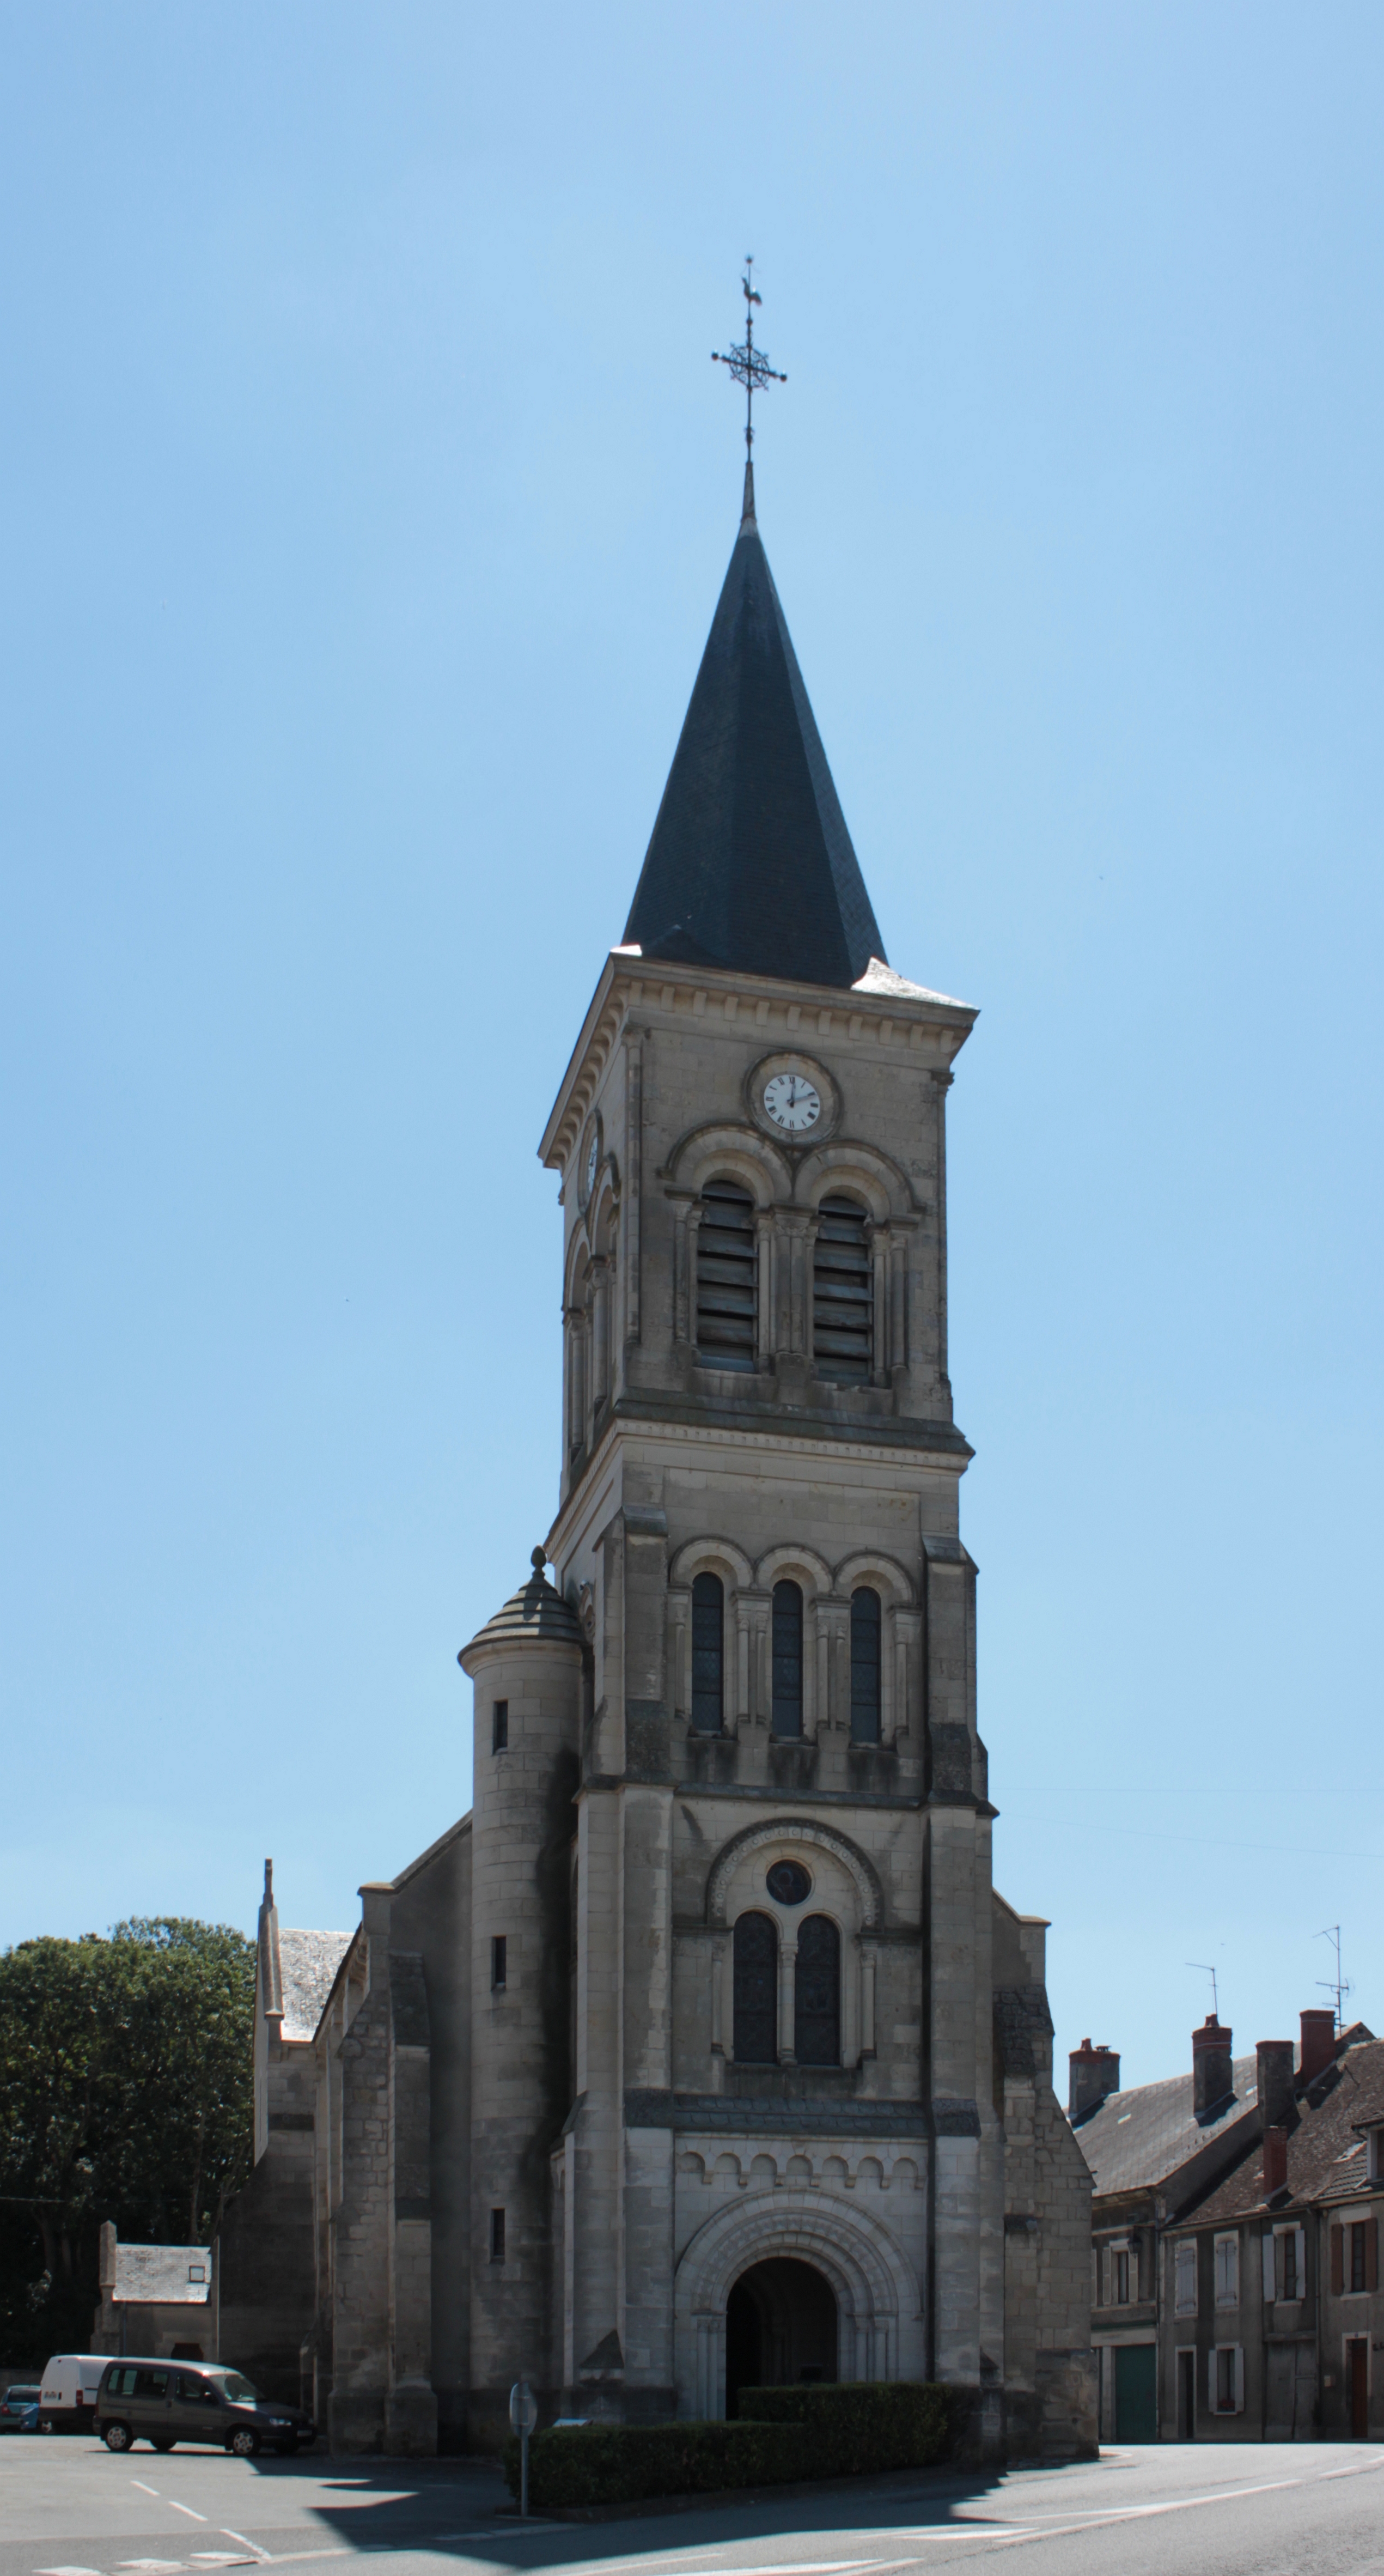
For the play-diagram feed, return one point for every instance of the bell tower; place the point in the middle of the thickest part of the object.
(810, 2045)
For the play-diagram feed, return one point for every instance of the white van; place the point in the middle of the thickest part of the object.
(67, 2399)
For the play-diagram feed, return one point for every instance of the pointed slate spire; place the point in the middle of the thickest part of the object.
(750, 866)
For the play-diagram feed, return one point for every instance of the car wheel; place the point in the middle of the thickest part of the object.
(116, 2437)
(162, 2441)
(245, 2443)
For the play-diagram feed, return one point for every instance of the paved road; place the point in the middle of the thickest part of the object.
(67, 2508)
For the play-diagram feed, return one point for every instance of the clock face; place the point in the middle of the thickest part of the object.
(593, 1156)
(793, 1103)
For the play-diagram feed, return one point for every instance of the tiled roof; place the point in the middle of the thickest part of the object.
(162, 2275)
(1141, 2137)
(750, 866)
(1326, 2158)
(308, 1962)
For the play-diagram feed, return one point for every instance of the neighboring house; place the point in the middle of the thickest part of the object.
(1272, 2317)
(158, 2300)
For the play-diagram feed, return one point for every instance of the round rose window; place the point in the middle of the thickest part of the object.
(789, 1883)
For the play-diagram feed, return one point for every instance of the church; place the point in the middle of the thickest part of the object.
(703, 2052)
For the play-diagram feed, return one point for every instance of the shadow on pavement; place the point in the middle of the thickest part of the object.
(465, 2506)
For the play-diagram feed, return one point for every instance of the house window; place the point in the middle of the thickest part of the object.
(1228, 2378)
(865, 1649)
(1227, 2263)
(1363, 2268)
(817, 1994)
(788, 1659)
(1185, 2284)
(1119, 2276)
(708, 1653)
(843, 1294)
(755, 1973)
(497, 2236)
(499, 1726)
(497, 1963)
(727, 1277)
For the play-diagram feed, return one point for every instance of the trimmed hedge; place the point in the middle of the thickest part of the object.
(619, 2463)
(861, 2426)
(822, 2430)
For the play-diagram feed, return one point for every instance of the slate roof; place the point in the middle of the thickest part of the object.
(750, 866)
(536, 1610)
(1139, 2138)
(159, 2275)
(1326, 2151)
(308, 1962)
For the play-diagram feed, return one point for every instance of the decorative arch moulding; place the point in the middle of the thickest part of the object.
(788, 1830)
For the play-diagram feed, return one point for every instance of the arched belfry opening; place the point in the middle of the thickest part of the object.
(780, 2327)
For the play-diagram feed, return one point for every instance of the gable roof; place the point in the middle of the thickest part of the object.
(1136, 2139)
(1326, 2150)
(163, 2275)
(308, 1962)
(750, 865)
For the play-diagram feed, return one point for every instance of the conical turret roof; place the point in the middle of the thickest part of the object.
(750, 866)
(536, 1611)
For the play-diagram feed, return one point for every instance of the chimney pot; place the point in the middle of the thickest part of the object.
(1318, 2040)
(1275, 2160)
(1092, 2073)
(1212, 2076)
(1274, 2066)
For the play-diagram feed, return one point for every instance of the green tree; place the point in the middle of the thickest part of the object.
(126, 2092)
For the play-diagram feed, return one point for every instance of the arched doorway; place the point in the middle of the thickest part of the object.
(780, 2327)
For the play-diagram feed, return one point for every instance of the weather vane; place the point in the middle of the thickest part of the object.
(747, 364)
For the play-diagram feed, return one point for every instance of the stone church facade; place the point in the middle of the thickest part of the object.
(704, 2050)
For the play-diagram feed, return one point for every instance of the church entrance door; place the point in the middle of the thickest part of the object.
(780, 2327)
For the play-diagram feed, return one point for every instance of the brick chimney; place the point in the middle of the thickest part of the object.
(1318, 2040)
(1091, 2074)
(1274, 2060)
(1275, 2160)
(1211, 2066)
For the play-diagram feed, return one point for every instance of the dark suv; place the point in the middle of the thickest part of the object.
(163, 2403)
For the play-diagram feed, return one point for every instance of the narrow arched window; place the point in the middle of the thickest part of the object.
(756, 1991)
(726, 1277)
(708, 1654)
(865, 1655)
(817, 1994)
(843, 1296)
(788, 1659)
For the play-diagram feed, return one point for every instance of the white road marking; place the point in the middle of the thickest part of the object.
(187, 2509)
(153, 2566)
(139, 2482)
(67, 2571)
(252, 2545)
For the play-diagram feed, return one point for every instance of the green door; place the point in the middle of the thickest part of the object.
(1136, 2381)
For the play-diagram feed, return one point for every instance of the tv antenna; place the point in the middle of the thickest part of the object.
(1208, 1970)
(1338, 1985)
(748, 365)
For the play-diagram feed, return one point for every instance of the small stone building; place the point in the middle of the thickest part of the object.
(159, 2300)
(704, 2050)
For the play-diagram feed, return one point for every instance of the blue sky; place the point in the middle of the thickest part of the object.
(368, 491)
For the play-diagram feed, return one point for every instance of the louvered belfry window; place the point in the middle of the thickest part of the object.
(726, 1277)
(865, 1665)
(755, 1970)
(708, 1654)
(817, 1994)
(843, 1294)
(788, 1659)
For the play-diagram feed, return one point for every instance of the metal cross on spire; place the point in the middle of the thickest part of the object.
(749, 365)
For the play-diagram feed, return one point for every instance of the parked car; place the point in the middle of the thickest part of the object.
(164, 2402)
(67, 2399)
(18, 2403)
